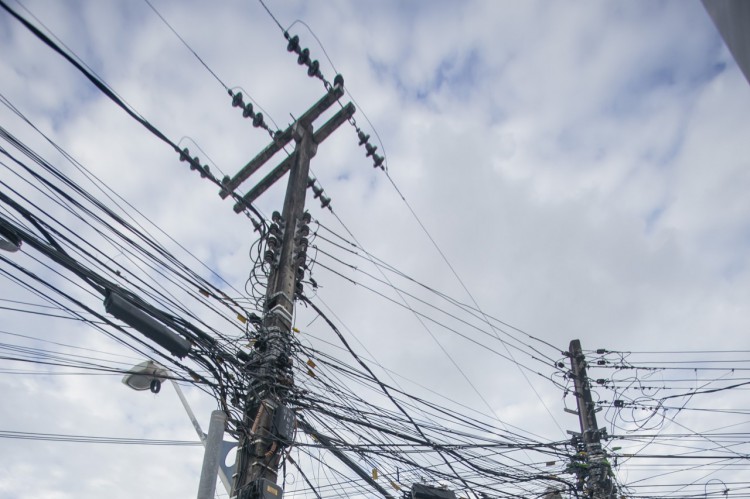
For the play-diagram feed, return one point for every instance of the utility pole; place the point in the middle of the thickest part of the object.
(599, 484)
(268, 422)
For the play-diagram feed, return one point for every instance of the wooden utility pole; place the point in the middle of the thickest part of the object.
(268, 422)
(598, 480)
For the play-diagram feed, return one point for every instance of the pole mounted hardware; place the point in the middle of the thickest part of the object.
(268, 424)
(281, 140)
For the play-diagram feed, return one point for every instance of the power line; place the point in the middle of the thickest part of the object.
(89, 439)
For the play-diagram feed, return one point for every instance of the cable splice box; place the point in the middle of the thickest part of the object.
(283, 423)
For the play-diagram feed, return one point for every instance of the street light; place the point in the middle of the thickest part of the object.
(148, 375)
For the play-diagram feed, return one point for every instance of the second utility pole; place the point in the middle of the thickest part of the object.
(598, 480)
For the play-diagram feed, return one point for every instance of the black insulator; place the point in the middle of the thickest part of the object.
(258, 120)
(300, 258)
(275, 217)
(363, 137)
(317, 191)
(304, 57)
(205, 171)
(303, 230)
(184, 154)
(338, 80)
(225, 180)
(275, 230)
(299, 289)
(377, 160)
(269, 256)
(310, 182)
(601, 362)
(560, 365)
(272, 241)
(306, 217)
(196, 163)
(324, 202)
(601, 381)
(248, 111)
(300, 273)
(237, 100)
(313, 69)
(600, 351)
(293, 45)
(370, 149)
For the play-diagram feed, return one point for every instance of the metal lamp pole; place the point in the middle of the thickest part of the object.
(149, 375)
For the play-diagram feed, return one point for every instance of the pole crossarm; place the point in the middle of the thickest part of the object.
(279, 142)
(319, 136)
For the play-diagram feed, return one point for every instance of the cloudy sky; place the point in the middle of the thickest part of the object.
(577, 169)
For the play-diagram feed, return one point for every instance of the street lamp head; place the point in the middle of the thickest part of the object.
(146, 375)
